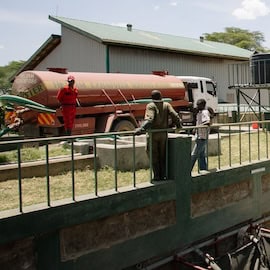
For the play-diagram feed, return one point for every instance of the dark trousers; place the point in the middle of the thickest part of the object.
(159, 143)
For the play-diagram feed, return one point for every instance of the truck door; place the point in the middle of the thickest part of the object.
(206, 89)
(195, 91)
(210, 95)
(200, 87)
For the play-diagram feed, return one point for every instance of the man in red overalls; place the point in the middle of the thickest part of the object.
(67, 97)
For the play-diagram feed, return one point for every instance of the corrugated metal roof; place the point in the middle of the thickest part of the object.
(109, 34)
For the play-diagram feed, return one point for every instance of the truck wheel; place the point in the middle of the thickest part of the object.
(123, 125)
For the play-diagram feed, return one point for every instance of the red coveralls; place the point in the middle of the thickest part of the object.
(67, 96)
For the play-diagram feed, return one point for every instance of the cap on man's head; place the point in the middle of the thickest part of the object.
(156, 95)
(70, 78)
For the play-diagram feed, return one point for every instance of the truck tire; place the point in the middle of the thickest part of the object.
(123, 125)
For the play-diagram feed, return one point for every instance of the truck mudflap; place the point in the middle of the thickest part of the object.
(47, 119)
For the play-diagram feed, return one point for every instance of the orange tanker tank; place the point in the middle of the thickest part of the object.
(108, 101)
(96, 88)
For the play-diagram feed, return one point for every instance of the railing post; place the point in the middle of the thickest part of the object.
(238, 103)
(179, 163)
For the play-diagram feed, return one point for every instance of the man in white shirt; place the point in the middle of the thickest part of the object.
(199, 150)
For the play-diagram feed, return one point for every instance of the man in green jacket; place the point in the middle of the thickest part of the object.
(157, 116)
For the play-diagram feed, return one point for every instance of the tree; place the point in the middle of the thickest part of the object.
(239, 37)
(5, 74)
(5, 85)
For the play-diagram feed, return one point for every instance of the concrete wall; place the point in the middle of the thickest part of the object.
(119, 230)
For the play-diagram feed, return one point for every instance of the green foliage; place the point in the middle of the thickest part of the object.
(2, 116)
(239, 37)
(3, 159)
(6, 73)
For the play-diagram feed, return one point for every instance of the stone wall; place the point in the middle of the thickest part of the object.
(106, 232)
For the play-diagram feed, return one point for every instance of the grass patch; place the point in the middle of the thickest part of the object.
(33, 153)
(34, 190)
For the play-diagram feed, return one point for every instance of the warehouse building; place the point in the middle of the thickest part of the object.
(93, 47)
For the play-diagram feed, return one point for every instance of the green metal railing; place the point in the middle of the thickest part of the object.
(232, 113)
(236, 144)
(71, 141)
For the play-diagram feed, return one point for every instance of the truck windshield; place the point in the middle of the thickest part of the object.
(211, 88)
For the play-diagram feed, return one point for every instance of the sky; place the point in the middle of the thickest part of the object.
(25, 26)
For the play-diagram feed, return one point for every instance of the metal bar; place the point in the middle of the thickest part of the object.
(95, 166)
(267, 145)
(258, 144)
(219, 149)
(150, 154)
(20, 177)
(48, 175)
(260, 110)
(238, 104)
(207, 153)
(167, 158)
(240, 145)
(230, 147)
(108, 97)
(134, 159)
(247, 98)
(249, 143)
(125, 99)
(115, 164)
(249, 104)
(72, 170)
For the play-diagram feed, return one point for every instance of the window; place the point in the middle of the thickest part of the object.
(211, 88)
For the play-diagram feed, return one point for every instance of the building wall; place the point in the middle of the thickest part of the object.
(76, 53)
(131, 60)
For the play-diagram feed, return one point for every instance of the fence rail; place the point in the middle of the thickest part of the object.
(237, 144)
(231, 113)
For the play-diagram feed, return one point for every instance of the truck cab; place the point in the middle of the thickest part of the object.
(198, 88)
(201, 87)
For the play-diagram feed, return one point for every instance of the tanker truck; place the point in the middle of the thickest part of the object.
(108, 101)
